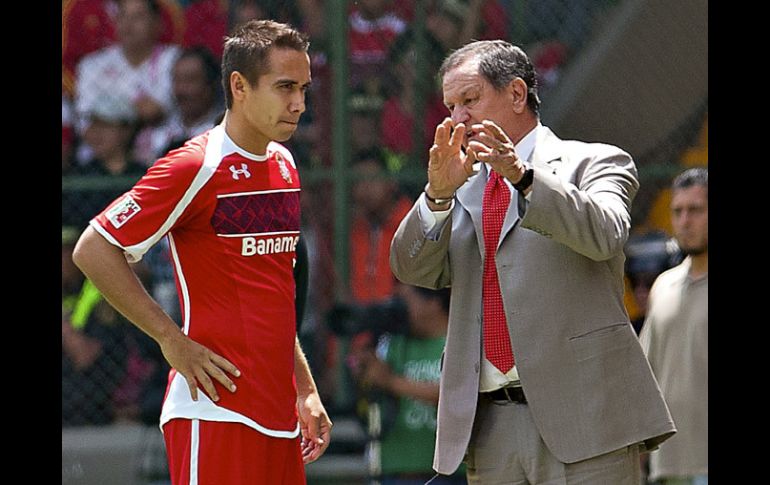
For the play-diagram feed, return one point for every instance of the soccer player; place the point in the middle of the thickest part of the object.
(241, 405)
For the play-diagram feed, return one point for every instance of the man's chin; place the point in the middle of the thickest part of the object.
(284, 135)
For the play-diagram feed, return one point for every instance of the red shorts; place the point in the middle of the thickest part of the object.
(215, 453)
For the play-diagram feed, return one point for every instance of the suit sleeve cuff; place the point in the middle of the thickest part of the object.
(432, 222)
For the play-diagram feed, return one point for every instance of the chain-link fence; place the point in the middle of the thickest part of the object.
(631, 73)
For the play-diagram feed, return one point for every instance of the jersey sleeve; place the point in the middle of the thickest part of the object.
(138, 219)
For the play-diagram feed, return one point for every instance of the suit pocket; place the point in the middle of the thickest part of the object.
(601, 341)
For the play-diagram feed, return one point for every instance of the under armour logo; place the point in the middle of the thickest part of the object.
(243, 170)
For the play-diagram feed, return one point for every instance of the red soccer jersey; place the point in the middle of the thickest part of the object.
(233, 222)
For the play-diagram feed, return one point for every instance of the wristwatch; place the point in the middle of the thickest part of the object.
(437, 201)
(526, 180)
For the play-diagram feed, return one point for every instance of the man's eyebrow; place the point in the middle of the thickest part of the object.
(462, 94)
(291, 82)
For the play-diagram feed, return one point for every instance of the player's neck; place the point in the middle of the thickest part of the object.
(238, 129)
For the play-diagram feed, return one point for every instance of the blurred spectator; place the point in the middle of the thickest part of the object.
(109, 130)
(206, 24)
(110, 126)
(401, 381)
(675, 337)
(93, 350)
(365, 114)
(449, 25)
(647, 256)
(484, 19)
(71, 277)
(548, 57)
(245, 10)
(294, 13)
(197, 101)
(568, 22)
(89, 25)
(378, 209)
(372, 29)
(67, 135)
(398, 112)
(137, 68)
(107, 364)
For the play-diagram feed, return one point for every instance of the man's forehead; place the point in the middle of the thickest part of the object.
(463, 77)
(692, 194)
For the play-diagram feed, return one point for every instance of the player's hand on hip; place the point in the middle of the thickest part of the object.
(493, 146)
(198, 365)
(448, 166)
(315, 426)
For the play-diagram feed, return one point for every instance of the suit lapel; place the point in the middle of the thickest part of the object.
(547, 150)
(511, 216)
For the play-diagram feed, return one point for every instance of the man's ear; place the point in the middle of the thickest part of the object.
(238, 85)
(518, 91)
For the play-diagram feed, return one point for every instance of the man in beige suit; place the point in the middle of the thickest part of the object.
(543, 379)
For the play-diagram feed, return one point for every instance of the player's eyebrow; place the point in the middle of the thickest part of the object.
(291, 82)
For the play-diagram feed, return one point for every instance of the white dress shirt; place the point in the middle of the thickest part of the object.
(491, 377)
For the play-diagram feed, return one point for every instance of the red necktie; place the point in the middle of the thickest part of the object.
(497, 343)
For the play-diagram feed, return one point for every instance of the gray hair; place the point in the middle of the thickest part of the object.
(500, 62)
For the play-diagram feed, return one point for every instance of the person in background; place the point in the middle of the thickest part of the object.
(647, 256)
(89, 25)
(94, 354)
(675, 337)
(378, 208)
(197, 103)
(137, 68)
(406, 367)
(110, 128)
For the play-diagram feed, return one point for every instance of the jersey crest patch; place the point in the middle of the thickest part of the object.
(124, 210)
(283, 168)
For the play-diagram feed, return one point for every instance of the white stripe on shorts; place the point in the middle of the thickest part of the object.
(194, 442)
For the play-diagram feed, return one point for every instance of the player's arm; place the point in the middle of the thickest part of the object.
(106, 266)
(314, 422)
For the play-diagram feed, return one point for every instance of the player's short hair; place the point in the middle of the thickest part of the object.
(246, 50)
(500, 62)
(691, 177)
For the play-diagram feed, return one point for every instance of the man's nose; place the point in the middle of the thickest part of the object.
(459, 114)
(297, 103)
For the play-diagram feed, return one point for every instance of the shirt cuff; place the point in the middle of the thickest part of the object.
(432, 222)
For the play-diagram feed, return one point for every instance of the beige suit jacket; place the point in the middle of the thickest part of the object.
(589, 386)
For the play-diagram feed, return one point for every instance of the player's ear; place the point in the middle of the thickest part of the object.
(238, 85)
